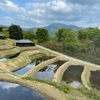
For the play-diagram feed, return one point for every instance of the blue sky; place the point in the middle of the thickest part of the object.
(33, 13)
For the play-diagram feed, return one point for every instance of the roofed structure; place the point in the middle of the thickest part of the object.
(24, 42)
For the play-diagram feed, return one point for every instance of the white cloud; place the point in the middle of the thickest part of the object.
(39, 14)
(60, 10)
(6, 85)
(9, 6)
(59, 6)
(8, 19)
(84, 2)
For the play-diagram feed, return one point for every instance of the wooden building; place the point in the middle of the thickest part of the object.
(24, 43)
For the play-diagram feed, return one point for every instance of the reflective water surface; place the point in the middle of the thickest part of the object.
(48, 72)
(95, 79)
(72, 76)
(3, 59)
(25, 69)
(31, 65)
(11, 91)
(13, 56)
(76, 84)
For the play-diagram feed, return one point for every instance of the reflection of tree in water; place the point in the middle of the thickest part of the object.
(13, 56)
(54, 66)
(95, 79)
(73, 73)
(38, 61)
(58, 63)
(47, 73)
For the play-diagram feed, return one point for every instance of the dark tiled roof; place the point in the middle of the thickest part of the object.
(24, 41)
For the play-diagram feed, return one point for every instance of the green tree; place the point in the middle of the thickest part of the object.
(15, 32)
(85, 47)
(29, 34)
(97, 41)
(92, 32)
(5, 32)
(94, 36)
(62, 33)
(82, 35)
(71, 47)
(70, 44)
(42, 35)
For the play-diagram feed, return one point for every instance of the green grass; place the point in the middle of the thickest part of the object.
(38, 56)
(63, 87)
(93, 94)
(7, 42)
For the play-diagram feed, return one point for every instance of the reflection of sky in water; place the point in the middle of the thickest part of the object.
(11, 91)
(3, 59)
(5, 85)
(47, 74)
(25, 69)
(72, 76)
(76, 84)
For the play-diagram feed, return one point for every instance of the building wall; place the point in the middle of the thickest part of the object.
(25, 44)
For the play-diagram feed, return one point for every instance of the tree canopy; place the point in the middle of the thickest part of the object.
(15, 32)
(92, 32)
(5, 32)
(62, 33)
(29, 34)
(42, 35)
(97, 41)
(82, 35)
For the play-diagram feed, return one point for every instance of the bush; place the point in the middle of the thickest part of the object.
(72, 47)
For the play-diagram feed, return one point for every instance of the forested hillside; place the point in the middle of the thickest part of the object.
(83, 44)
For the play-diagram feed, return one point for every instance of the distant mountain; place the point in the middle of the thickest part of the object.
(52, 28)
(34, 28)
(55, 26)
(3, 26)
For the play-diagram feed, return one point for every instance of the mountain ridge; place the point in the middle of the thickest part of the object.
(55, 26)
